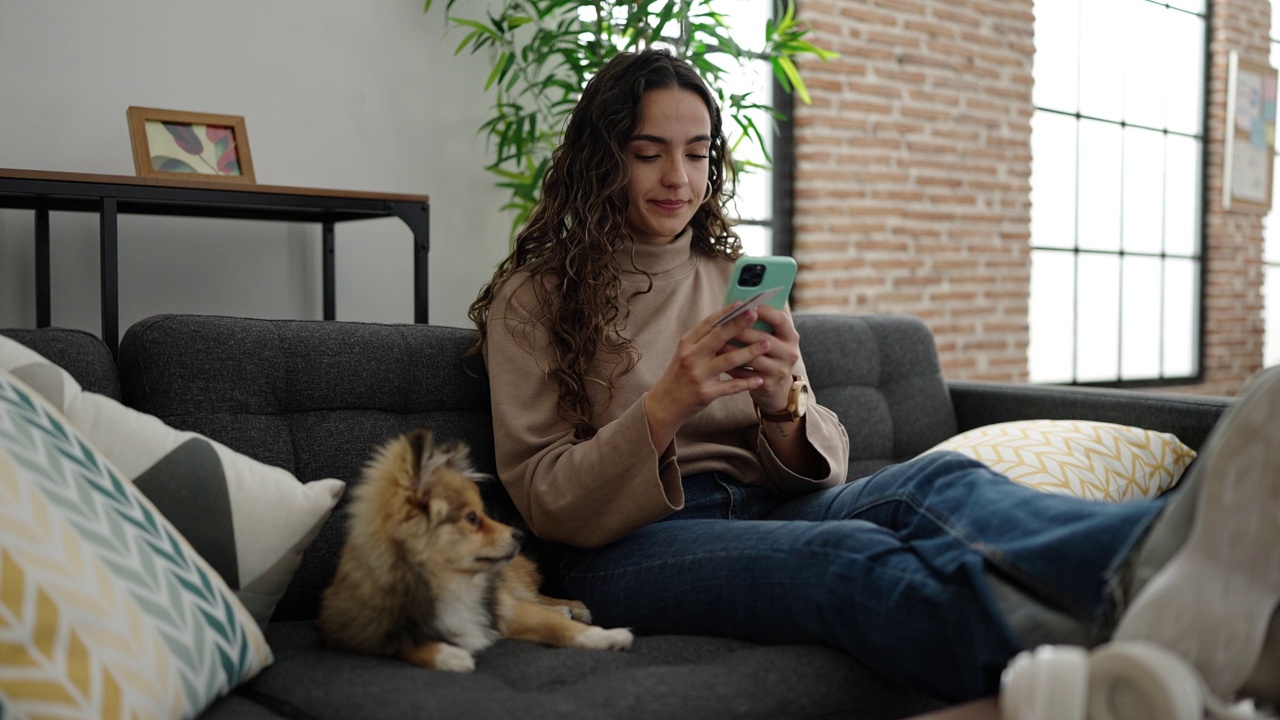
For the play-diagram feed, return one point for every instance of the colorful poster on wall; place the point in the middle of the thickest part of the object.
(1251, 139)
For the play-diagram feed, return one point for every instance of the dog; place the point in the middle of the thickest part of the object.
(428, 577)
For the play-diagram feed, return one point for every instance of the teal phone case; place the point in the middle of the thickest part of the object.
(754, 274)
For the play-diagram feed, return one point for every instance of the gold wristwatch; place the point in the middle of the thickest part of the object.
(797, 403)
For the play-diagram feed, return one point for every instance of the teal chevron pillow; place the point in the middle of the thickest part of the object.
(105, 610)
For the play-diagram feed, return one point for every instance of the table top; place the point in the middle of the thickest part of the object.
(199, 184)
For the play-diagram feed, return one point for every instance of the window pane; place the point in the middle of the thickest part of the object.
(1181, 321)
(1051, 311)
(1143, 190)
(756, 239)
(1184, 60)
(1144, 74)
(1099, 204)
(1097, 297)
(1057, 54)
(1140, 324)
(1271, 313)
(1053, 180)
(746, 19)
(1182, 196)
(1102, 43)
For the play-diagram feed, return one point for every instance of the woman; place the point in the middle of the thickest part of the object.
(629, 429)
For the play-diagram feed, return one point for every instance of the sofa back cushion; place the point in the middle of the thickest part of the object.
(81, 354)
(316, 398)
(312, 397)
(880, 374)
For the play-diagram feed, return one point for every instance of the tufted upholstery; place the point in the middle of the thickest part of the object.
(880, 374)
(311, 397)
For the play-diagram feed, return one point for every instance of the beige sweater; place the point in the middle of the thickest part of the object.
(588, 493)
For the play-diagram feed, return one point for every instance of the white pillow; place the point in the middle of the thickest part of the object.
(249, 520)
(1087, 459)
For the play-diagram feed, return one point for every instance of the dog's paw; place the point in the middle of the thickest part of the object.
(578, 611)
(454, 659)
(598, 638)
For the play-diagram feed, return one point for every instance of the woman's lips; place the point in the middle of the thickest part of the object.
(669, 205)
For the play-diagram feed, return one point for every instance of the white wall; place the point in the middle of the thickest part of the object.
(343, 94)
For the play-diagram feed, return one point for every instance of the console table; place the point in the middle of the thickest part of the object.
(111, 195)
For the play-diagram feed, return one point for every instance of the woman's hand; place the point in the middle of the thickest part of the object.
(695, 376)
(775, 366)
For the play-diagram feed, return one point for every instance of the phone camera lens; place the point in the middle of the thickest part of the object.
(752, 275)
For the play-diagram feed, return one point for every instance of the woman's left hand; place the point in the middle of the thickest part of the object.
(776, 366)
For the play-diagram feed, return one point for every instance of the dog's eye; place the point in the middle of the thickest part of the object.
(473, 519)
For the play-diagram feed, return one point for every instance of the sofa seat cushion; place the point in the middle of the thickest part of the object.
(666, 676)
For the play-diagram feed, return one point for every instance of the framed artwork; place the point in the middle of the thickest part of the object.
(189, 145)
(1250, 134)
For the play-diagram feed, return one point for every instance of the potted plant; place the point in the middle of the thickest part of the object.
(543, 52)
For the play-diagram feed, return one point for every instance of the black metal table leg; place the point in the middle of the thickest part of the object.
(418, 217)
(44, 314)
(108, 242)
(327, 264)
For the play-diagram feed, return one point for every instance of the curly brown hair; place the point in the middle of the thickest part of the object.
(568, 246)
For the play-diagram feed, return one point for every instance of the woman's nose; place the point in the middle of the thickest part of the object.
(676, 176)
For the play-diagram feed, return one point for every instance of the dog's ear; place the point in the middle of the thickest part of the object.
(453, 454)
(437, 510)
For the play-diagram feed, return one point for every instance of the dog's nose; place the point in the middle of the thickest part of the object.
(517, 535)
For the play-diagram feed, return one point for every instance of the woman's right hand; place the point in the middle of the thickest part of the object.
(696, 374)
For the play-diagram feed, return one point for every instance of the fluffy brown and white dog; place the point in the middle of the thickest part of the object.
(428, 577)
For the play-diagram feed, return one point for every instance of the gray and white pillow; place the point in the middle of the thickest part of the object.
(250, 521)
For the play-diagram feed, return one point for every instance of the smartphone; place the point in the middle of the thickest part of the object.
(759, 279)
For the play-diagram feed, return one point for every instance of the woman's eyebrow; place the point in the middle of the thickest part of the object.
(659, 140)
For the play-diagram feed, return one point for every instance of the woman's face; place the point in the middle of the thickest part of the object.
(667, 156)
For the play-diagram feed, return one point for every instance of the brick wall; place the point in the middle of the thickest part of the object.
(912, 180)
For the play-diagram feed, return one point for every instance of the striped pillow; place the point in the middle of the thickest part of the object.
(1087, 459)
(105, 610)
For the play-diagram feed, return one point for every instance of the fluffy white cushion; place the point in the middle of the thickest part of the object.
(1095, 460)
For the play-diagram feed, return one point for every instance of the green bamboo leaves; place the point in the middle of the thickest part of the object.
(544, 51)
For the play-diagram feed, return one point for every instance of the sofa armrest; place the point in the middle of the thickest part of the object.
(1189, 417)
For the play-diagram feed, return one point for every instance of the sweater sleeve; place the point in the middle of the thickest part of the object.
(826, 435)
(584, 493)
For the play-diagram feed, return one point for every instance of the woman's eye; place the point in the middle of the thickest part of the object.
(694, 156)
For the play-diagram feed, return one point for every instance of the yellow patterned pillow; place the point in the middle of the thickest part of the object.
(1094, 460)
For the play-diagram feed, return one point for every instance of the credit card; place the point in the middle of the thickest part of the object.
(760, 297)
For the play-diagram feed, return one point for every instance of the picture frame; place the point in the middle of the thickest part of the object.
(1250, 139)
(182, 145)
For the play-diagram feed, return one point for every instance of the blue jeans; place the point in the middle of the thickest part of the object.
(891, 568)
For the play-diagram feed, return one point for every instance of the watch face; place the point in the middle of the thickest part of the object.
(801, 393)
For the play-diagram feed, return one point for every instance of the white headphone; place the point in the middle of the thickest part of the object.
(1128, 680)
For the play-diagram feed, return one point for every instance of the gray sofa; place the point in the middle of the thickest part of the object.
(316, 397)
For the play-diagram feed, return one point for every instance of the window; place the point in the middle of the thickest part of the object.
(1117, 143)
(762, 196)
